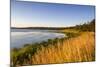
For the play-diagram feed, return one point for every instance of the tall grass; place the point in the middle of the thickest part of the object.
(78, 49)
(74, 48)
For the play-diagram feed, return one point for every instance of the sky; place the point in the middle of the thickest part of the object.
(37, 14)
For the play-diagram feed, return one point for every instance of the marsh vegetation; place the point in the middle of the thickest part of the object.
(78, 46)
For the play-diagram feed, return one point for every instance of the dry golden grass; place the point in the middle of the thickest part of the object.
(78, 49)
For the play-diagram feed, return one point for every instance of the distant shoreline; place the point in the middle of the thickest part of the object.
(41, 28)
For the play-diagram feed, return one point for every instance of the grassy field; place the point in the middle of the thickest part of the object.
(76, 49)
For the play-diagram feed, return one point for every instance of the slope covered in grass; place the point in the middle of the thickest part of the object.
(76, 49)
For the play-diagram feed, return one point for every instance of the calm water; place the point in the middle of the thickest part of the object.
(19, 37)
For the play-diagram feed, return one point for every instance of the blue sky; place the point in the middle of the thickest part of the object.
(35, 14)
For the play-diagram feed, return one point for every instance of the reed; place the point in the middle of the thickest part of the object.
(78, 49)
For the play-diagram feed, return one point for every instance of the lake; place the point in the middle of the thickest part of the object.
(20, 37)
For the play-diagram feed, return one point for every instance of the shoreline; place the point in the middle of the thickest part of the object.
(34, 37)
(33, 50)
(67, 36)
